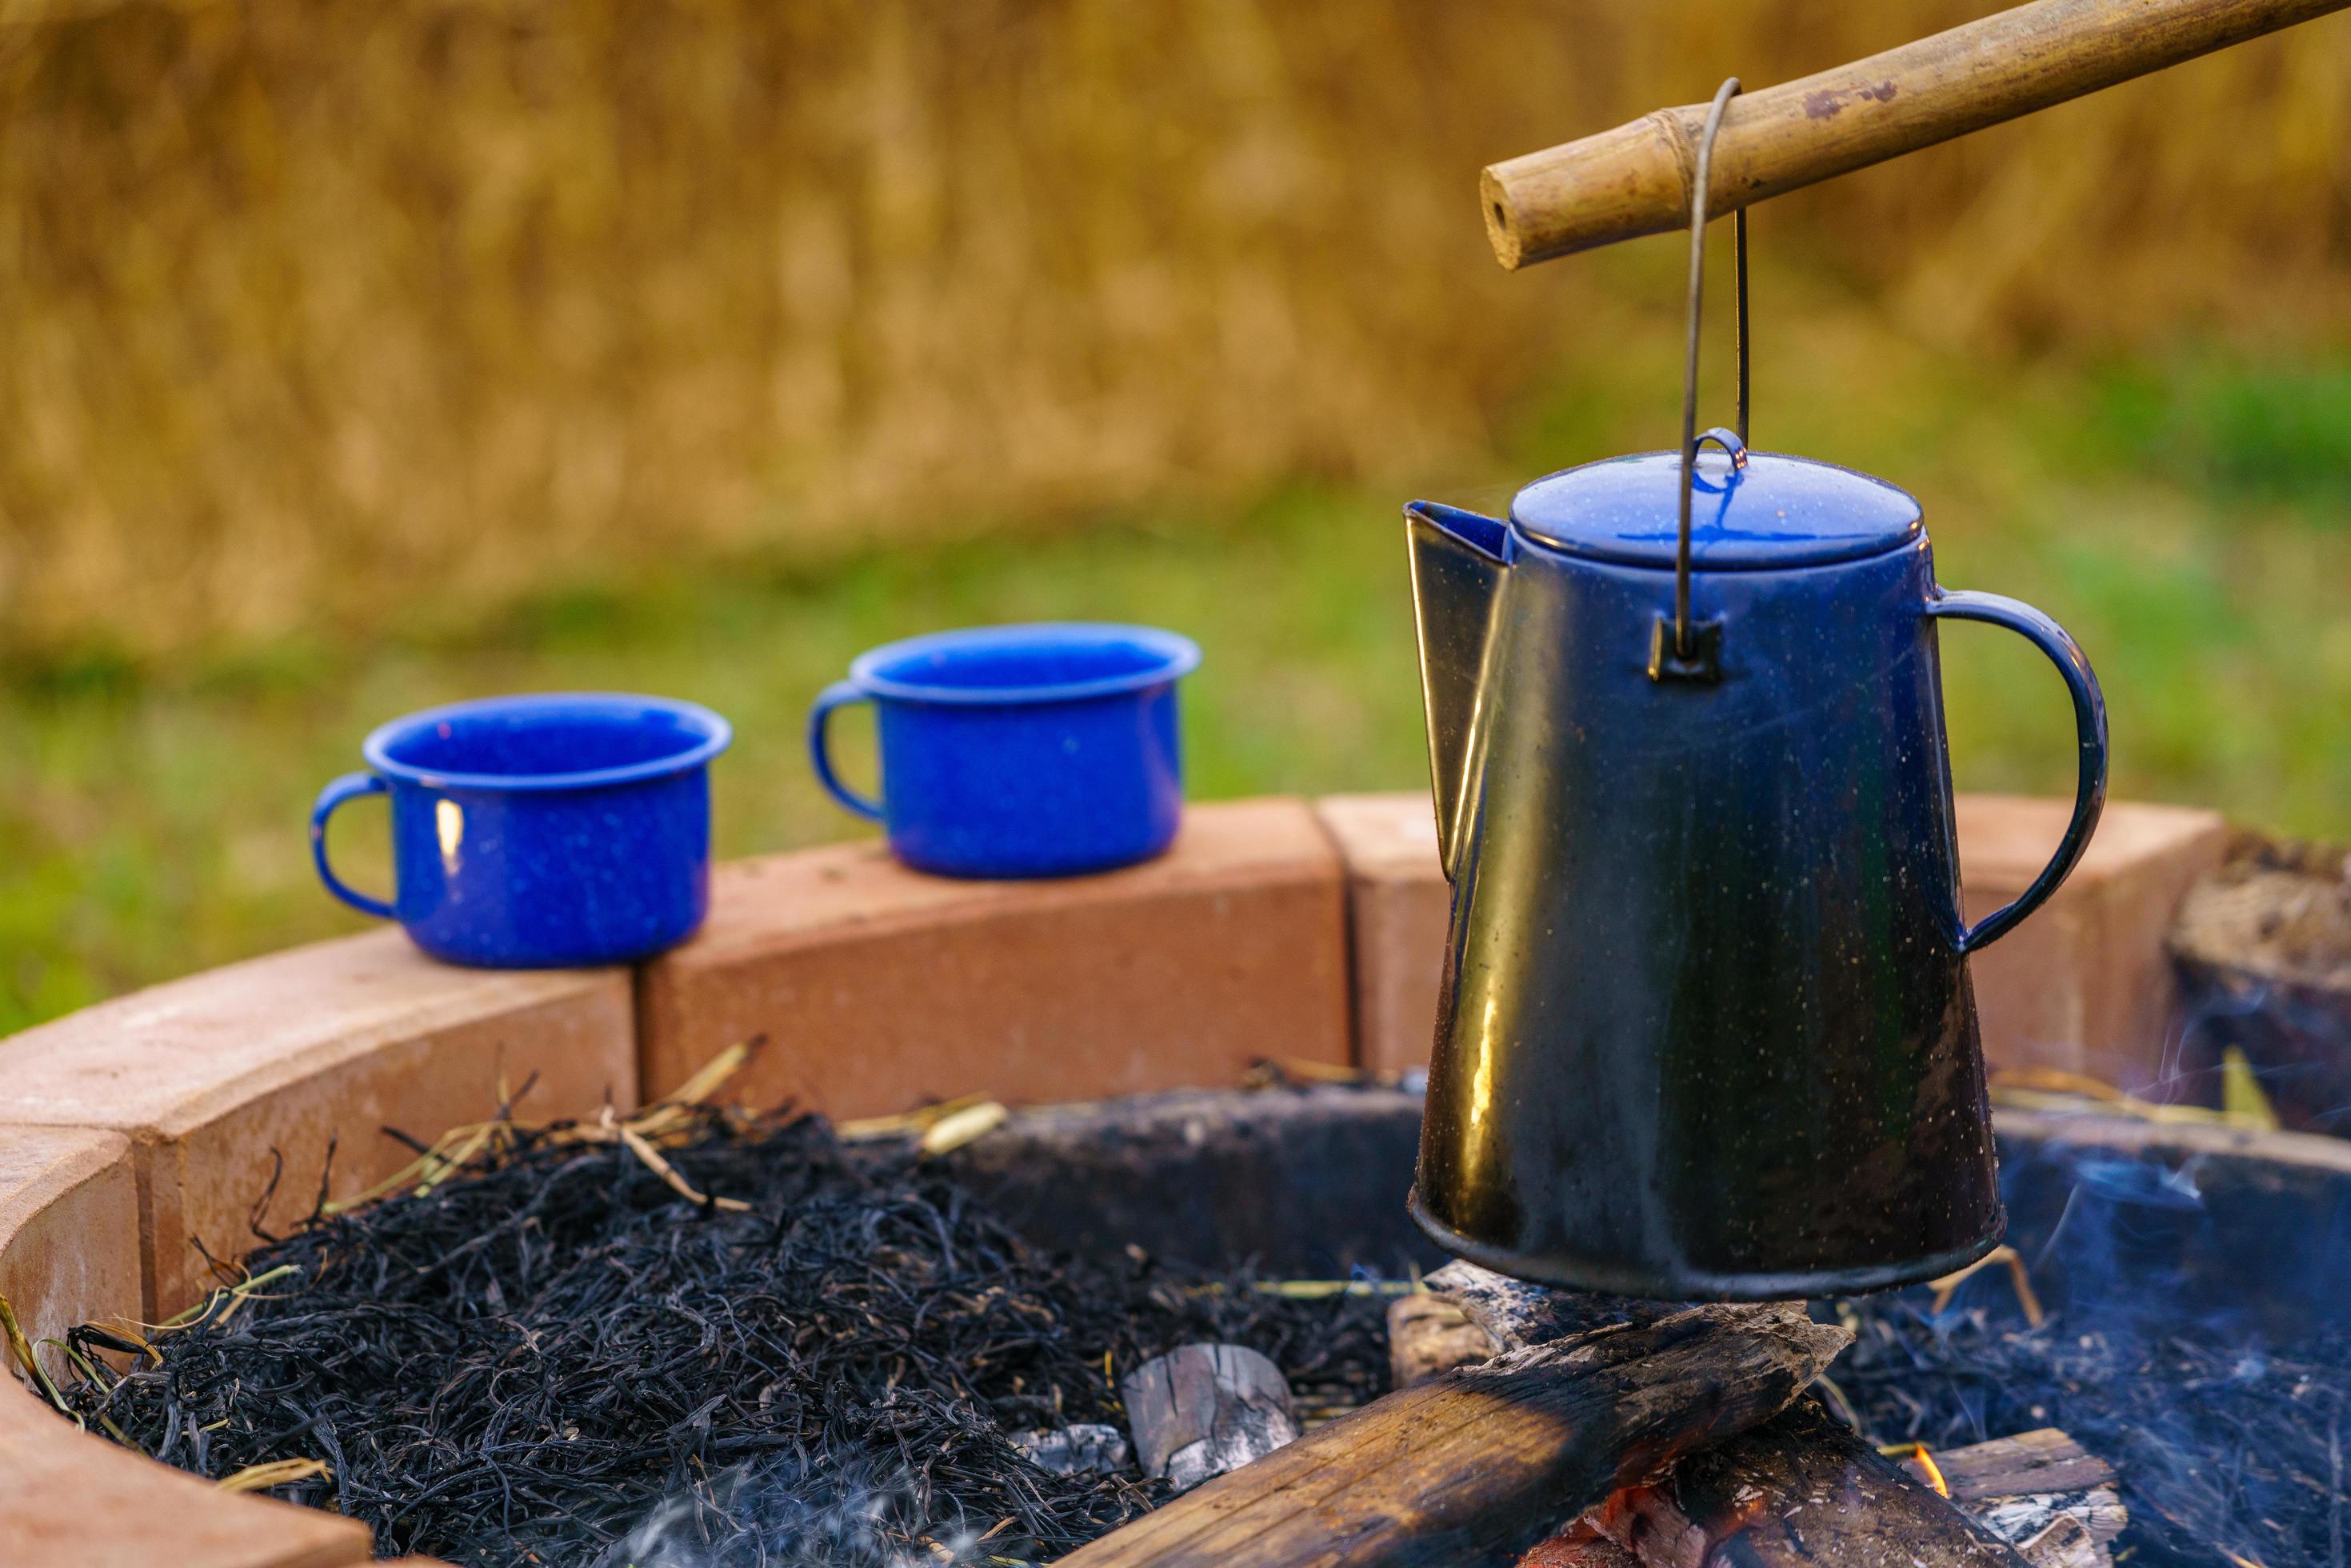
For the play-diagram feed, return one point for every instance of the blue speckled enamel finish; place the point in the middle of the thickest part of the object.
(1020, 751)
(1705, 1025)
(542, 831)
(1775, 513)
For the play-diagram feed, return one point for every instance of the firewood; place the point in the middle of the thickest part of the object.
(2018, 1487)
(1483, 1462)
(1429, 1334)
(1204, 1410)
(1802, 1490)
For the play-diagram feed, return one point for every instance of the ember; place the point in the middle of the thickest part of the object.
(557, 1354)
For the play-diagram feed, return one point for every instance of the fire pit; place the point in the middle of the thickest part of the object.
(1255, 936)
(569, 1355)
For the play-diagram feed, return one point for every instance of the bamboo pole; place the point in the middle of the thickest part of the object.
(1635, 179)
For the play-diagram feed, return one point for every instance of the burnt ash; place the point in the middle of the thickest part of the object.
(2222, 1443)
(534, 1360)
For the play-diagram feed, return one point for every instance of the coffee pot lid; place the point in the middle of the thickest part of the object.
(1763, 512)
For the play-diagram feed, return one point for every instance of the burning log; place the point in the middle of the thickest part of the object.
(1480, 1462)
(1580, 1546)
(2039, 1492)
(1800, 1490)
(1203, 1409)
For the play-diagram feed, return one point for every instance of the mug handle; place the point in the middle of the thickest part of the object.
(840, 694)
(2089, 723)
(350, 787)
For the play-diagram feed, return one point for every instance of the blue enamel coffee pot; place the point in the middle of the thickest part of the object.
(1706, 1027)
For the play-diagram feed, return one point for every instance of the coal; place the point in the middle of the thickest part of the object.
(558, 1358)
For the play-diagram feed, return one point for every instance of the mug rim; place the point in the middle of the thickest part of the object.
(1178, 657)
(717, 735)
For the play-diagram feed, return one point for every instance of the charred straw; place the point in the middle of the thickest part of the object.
(556, 1355)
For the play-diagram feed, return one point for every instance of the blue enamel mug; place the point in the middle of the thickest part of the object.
(546, 831)
(1020, 751)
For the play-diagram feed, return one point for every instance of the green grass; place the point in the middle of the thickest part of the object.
(2186, 519)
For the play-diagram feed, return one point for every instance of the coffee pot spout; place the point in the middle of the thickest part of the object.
(1459, 560)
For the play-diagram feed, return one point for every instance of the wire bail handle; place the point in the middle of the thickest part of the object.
(1688, 658)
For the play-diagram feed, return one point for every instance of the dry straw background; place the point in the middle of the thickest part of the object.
(313, 310)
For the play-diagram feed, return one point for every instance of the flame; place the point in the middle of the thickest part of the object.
(1916, 1458)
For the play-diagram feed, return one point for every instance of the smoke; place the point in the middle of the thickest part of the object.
(2196, 1352)
(786, 1513)
(2198, 1338)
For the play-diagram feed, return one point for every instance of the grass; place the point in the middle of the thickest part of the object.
(2184, 516)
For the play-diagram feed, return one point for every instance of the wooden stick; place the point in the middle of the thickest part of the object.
(1635, 180)
(1486, 1461)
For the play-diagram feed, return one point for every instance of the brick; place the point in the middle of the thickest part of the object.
(75, 1499)
(69, 1254)
(2083, 984)
(69, 1232)
(1398, 907)
(877, 987)
(330, 1042)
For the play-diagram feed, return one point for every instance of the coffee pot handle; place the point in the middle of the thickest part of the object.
(2089, 722)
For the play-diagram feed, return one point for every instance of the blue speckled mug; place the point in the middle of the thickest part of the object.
(1020, 751)
(540, 831)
